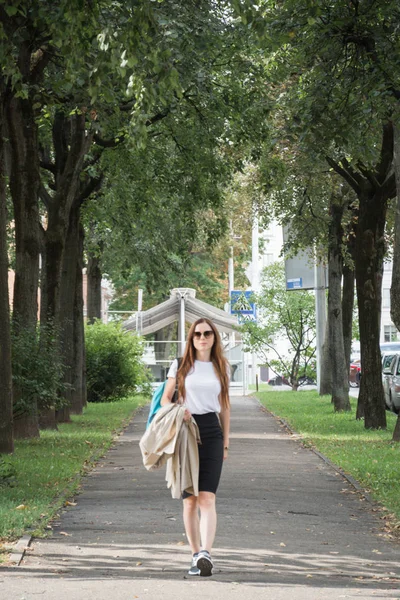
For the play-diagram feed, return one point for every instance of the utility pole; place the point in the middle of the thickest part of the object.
(139, 311)
(255, 282)
(231, 276)
(231, 280)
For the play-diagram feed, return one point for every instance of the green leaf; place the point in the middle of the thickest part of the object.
(11, 10)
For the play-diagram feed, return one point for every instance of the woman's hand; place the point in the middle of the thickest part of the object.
(226, 453)
(188, 415)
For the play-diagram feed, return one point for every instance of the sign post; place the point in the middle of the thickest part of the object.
(302, 273)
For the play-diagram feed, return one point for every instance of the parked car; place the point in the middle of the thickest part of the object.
(355, 373)
(387, 358)
(391, 383)
(278, 380)
(306, 380)
(390, 347)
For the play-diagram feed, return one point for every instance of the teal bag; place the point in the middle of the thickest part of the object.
(155, 404)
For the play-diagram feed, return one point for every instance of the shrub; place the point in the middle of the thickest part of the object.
(114, 363)
(37, 369)
(8, 472)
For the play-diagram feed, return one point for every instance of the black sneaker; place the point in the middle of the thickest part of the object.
(194, 570)
(204, 563)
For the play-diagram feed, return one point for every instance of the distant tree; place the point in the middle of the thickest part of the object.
(286, 315)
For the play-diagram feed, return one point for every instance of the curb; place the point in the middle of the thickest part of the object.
(18, 551)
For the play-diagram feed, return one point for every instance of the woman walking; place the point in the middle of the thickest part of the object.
(203, 388)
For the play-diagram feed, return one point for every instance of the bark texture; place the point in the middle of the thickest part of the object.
(71, 143)
(396, 432)
(369, 270)
(340, 378)
(71, 315)
(395, 287)
(47, 418)
(94, 277)
(325, 388)
(6, 399)
(79, 398)
(347, 311)
(24, 188)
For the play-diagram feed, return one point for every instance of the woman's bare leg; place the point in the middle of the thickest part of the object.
(208, 519)
(191, 522)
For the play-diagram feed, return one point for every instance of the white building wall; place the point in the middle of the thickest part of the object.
(272, 239)
(389, 333)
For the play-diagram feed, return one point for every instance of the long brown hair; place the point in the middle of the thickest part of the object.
(218, 360)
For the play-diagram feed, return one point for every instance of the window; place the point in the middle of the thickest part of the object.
(268, 259)
(390, 333)
(387, 361)
(386, 298)
(269, 233)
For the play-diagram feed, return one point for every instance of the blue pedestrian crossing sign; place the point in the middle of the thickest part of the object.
(242, 304)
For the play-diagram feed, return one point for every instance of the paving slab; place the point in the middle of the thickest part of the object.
(289, 526)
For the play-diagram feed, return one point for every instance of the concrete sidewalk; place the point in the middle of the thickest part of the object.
(289, 527)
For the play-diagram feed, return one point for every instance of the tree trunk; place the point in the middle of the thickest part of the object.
(369, 254)
(71, 143)
(24, 188)
(47, 419)
(66, 317)
(71, 287)
(84, 371)
(94, 276)
(26, 426)
(6, 405)
(70, 146)
(325, 387)
(374, 187)
(395, 288)
(79, 399)
(396, 432)
(347, 311)
(340, 376)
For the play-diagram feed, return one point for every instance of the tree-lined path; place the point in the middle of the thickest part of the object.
(289, 527)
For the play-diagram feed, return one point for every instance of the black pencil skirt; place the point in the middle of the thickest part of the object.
(211, 452)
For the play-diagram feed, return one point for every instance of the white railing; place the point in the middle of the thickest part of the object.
(160, 366)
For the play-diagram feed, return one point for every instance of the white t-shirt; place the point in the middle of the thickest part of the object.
(202, 387)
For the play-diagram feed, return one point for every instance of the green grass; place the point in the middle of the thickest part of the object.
(263, 387)
(48, 470)
(367, 455)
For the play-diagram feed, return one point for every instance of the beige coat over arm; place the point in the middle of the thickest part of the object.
(169, 439)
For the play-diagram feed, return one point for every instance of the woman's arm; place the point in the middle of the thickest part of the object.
(168, 394)
(225, 416)
(169, 391)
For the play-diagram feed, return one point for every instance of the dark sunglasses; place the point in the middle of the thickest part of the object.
(207, 334)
